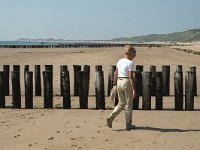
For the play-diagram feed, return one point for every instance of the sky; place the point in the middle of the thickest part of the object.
(95, 19)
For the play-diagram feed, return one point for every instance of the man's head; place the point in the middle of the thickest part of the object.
(130, 52)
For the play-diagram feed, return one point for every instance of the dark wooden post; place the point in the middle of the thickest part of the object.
(98, 68)
(48, 89)
(178, 87)
(28, 89)
(16, 92)
(6, 71)
(139, 68)
(193, 69)
(179, 68)
(77, 68)
(62, 68)
(189, 90)
(37, 80)
(166, 80)
(26, 68)
(49, 68)
(100, 92)
(86, 68)
(2, 92)
(16, 68)
(83, 93)
(138, 86)
(159, 90)
(66, 89)
(146, 84)
(153, 80)
(111, 78)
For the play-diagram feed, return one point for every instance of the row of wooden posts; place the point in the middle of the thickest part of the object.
(151, 83)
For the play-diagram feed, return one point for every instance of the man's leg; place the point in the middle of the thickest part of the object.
(119, 107)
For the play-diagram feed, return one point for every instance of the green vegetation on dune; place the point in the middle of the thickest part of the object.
(185, 36)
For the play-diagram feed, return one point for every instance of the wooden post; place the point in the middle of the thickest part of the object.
(37, 80)
(166, 80)
(153, 80)
(139, 68)
(2, 92)
(179, 68)
(159, 90)
(62, 69)
(83, 93)
(178, 87)
(66, 89)
(98, 68)
(28, 89)
(49, 68)
(138, 86)
(48, 89)
(26, 68)
(16, 68)
(86, 68)
(146, 84)
(16, 92)
(189, 90)
(111, 78)
(6, 71)
(100, 92)
(77, 68)
(193, 69)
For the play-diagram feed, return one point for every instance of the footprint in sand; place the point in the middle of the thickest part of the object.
(17, 136)
(31, 117)
(51, 138)
(32, 144)
(72, 139)
(74, 145)
(58, 131)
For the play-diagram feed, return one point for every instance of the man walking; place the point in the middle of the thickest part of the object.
(124, 80)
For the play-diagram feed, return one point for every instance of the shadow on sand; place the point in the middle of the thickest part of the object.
(160, 129)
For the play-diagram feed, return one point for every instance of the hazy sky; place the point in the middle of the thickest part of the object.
(95, 19)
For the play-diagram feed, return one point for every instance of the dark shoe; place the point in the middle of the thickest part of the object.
(109, 121)
(130, 127)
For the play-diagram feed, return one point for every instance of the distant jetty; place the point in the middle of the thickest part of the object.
(26, 43)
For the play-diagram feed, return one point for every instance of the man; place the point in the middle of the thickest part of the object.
(123, 78)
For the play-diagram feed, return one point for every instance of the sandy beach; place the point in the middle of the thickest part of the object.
(59, 129)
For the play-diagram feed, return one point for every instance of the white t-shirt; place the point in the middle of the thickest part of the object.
(124, 66)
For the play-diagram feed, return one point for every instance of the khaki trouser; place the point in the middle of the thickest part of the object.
(125, 96)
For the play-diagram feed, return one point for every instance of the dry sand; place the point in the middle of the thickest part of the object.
(50, 129)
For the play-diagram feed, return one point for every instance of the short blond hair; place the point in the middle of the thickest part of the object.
(130, 50)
